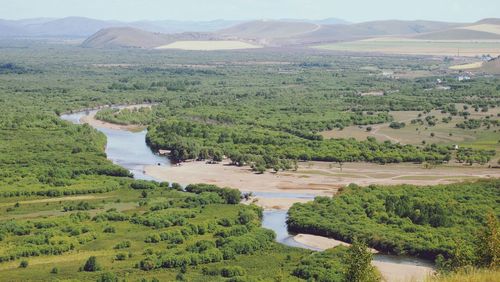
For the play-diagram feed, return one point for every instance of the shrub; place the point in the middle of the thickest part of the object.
(107, 277)
(122, 245)
(109, 229)
(23, 264)
(232, 271)
(91, 265)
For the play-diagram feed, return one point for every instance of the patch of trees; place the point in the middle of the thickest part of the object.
(471, 156)
(405, 219)
(477, 123)
(11, 68)
(268, 149)
(230, 196)
(397, 125)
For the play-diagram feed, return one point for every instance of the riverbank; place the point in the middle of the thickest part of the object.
(91, 120)
(316, 178)
(390, 270)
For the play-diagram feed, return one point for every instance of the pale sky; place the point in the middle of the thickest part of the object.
(199, 10)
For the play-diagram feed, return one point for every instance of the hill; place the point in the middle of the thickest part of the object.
(69, 27)
(80, 27)
(335, 33)
(129, 37)
(471, 32)
(125, 37)
(267, 30)
(280, 33)
(489, 21)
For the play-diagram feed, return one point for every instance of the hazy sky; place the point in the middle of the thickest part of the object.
(351, 10)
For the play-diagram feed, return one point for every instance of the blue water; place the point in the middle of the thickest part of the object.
(125, 148)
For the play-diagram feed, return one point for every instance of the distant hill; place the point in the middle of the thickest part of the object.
(459, 34)
(483, 30)
(335, 33)
(266, 33)
(70, 27)
(125, 37)
(129, 37)
(489, 21)
(298, 33)
(80, 27)
(269, 29)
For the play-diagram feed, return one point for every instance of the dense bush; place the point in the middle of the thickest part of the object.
(405, 219)
(230, 196)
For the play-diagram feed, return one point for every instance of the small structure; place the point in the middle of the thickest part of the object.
(463, 78)
(163, 152)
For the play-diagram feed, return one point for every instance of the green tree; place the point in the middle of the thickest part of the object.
(91, 265)
(488, 247)
(359, 267)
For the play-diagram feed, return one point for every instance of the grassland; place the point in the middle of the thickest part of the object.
(470, 66)
(417, 47)
(446, 133)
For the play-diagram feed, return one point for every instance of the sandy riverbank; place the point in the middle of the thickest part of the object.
(316, 178)
(92, 121)
(320, 242)
(391, 271)
(275, 203)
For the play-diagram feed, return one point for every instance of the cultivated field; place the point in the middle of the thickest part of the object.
(470, 66)
(208, 45)
(418, 47)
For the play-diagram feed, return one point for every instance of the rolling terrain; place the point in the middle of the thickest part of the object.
(444, 38)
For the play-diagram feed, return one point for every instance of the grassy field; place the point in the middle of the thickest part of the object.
(417, 47)
(470, 66)
(89, 239)
(209, 45)
(444, 133)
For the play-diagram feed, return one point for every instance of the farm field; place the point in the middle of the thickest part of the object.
(418, 47)
(208, 45)
(470, 66)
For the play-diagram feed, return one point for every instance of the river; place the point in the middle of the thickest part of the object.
(129, 150)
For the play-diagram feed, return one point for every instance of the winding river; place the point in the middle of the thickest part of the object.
(129, 150)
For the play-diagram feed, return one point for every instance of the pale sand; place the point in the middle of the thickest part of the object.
(242, 178)
(208, 45)
(316, 178)
(397, 272)
(392, 272)
(320, 242)
(92, 121)
(275, 203)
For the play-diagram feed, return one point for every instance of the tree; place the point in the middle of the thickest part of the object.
(91, 265)
(488, 247)
(359, 268)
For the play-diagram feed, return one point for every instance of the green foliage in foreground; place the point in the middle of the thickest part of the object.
(405, 219)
